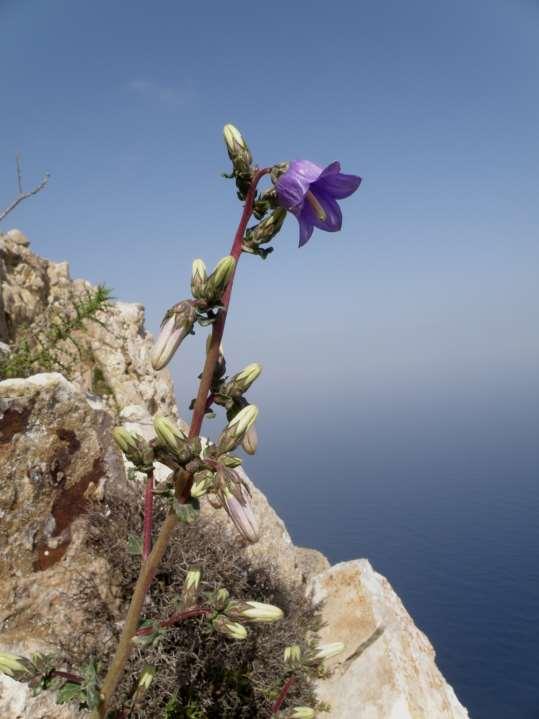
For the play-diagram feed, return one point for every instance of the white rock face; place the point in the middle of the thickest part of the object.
(116, 353)
(388, 669)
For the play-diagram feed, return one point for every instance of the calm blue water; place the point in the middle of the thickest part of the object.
(442, 496)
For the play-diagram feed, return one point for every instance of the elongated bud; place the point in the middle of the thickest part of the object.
(301, 713)
(325, 651)
(198, 279)
(240, 383)
(250, 440)
(136, 448)
(219, 599)
(146, 678)
(219, 278)
(267, 229)
(11, 664)
(177, 323)
(254, 611)
(242, 515)
(202, 482)
(236, 428)
(232, 630)
(189, 594)
(292, 654)
(125, 440)
(237, 148)
(169, 434)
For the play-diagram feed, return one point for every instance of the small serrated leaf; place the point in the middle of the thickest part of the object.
(68, 693)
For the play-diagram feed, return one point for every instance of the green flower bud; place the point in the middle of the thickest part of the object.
(136, 448)
(240, 383)
(236, 428)
(219, 278)
(10, 664)
(301, 713)
(146, 677)
(232, 630)
(292, 654)
(189, 594)
(267, 229)
(237, 148)
(169, 434)
(254, 611)
(219, 599)
(125, 440)
(202, 481)
(198, 279)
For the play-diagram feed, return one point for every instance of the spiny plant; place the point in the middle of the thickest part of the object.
(201, 470)
(50, 343)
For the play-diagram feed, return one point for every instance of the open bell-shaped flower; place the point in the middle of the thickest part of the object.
(311, 192)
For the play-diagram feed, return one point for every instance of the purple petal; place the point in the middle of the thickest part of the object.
(332, 169)
(333, 220)
(293, 185)
(338, 185)
(305, 231)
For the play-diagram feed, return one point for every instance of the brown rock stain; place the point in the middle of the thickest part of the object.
(69, 504)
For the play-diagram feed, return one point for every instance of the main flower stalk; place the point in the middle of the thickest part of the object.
(150, 565)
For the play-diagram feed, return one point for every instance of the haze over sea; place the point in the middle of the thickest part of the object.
(400, 396)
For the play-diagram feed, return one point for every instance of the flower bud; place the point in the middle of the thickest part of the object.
(241, 514)
(176, 325)
(202, 481)
(326, 651)
(236, 428)
(267, 229)
(125, 440)
(189, 594)
(237, 148)
(241, 382)
(232, 630)
(254, 611)
(250, 440)
(219, 278)
(219, 599)
(169, 434)
(292, 654)
(136, 448)
(11, 664)
(198, 279)
(146, 677)
(301, 713)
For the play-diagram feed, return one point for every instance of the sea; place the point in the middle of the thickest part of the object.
(441, 493)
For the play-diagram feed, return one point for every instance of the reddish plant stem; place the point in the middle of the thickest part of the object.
(282, 696)
(175, 618)
(149, 567)
(219, 325)
(67, 675)
(148, 518)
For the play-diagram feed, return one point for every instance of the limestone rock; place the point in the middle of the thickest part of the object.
(58, 463)
(115, 355)
(388, 669)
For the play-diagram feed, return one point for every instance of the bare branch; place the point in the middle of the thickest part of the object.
(19, 173)
(22, 195)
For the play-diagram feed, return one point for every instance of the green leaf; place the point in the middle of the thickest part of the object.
(69, 692)
(134, 544)
(187, 513)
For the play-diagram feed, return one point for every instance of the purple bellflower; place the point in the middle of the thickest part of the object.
(311, 192)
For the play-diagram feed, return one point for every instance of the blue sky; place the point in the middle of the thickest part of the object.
(432, 284)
